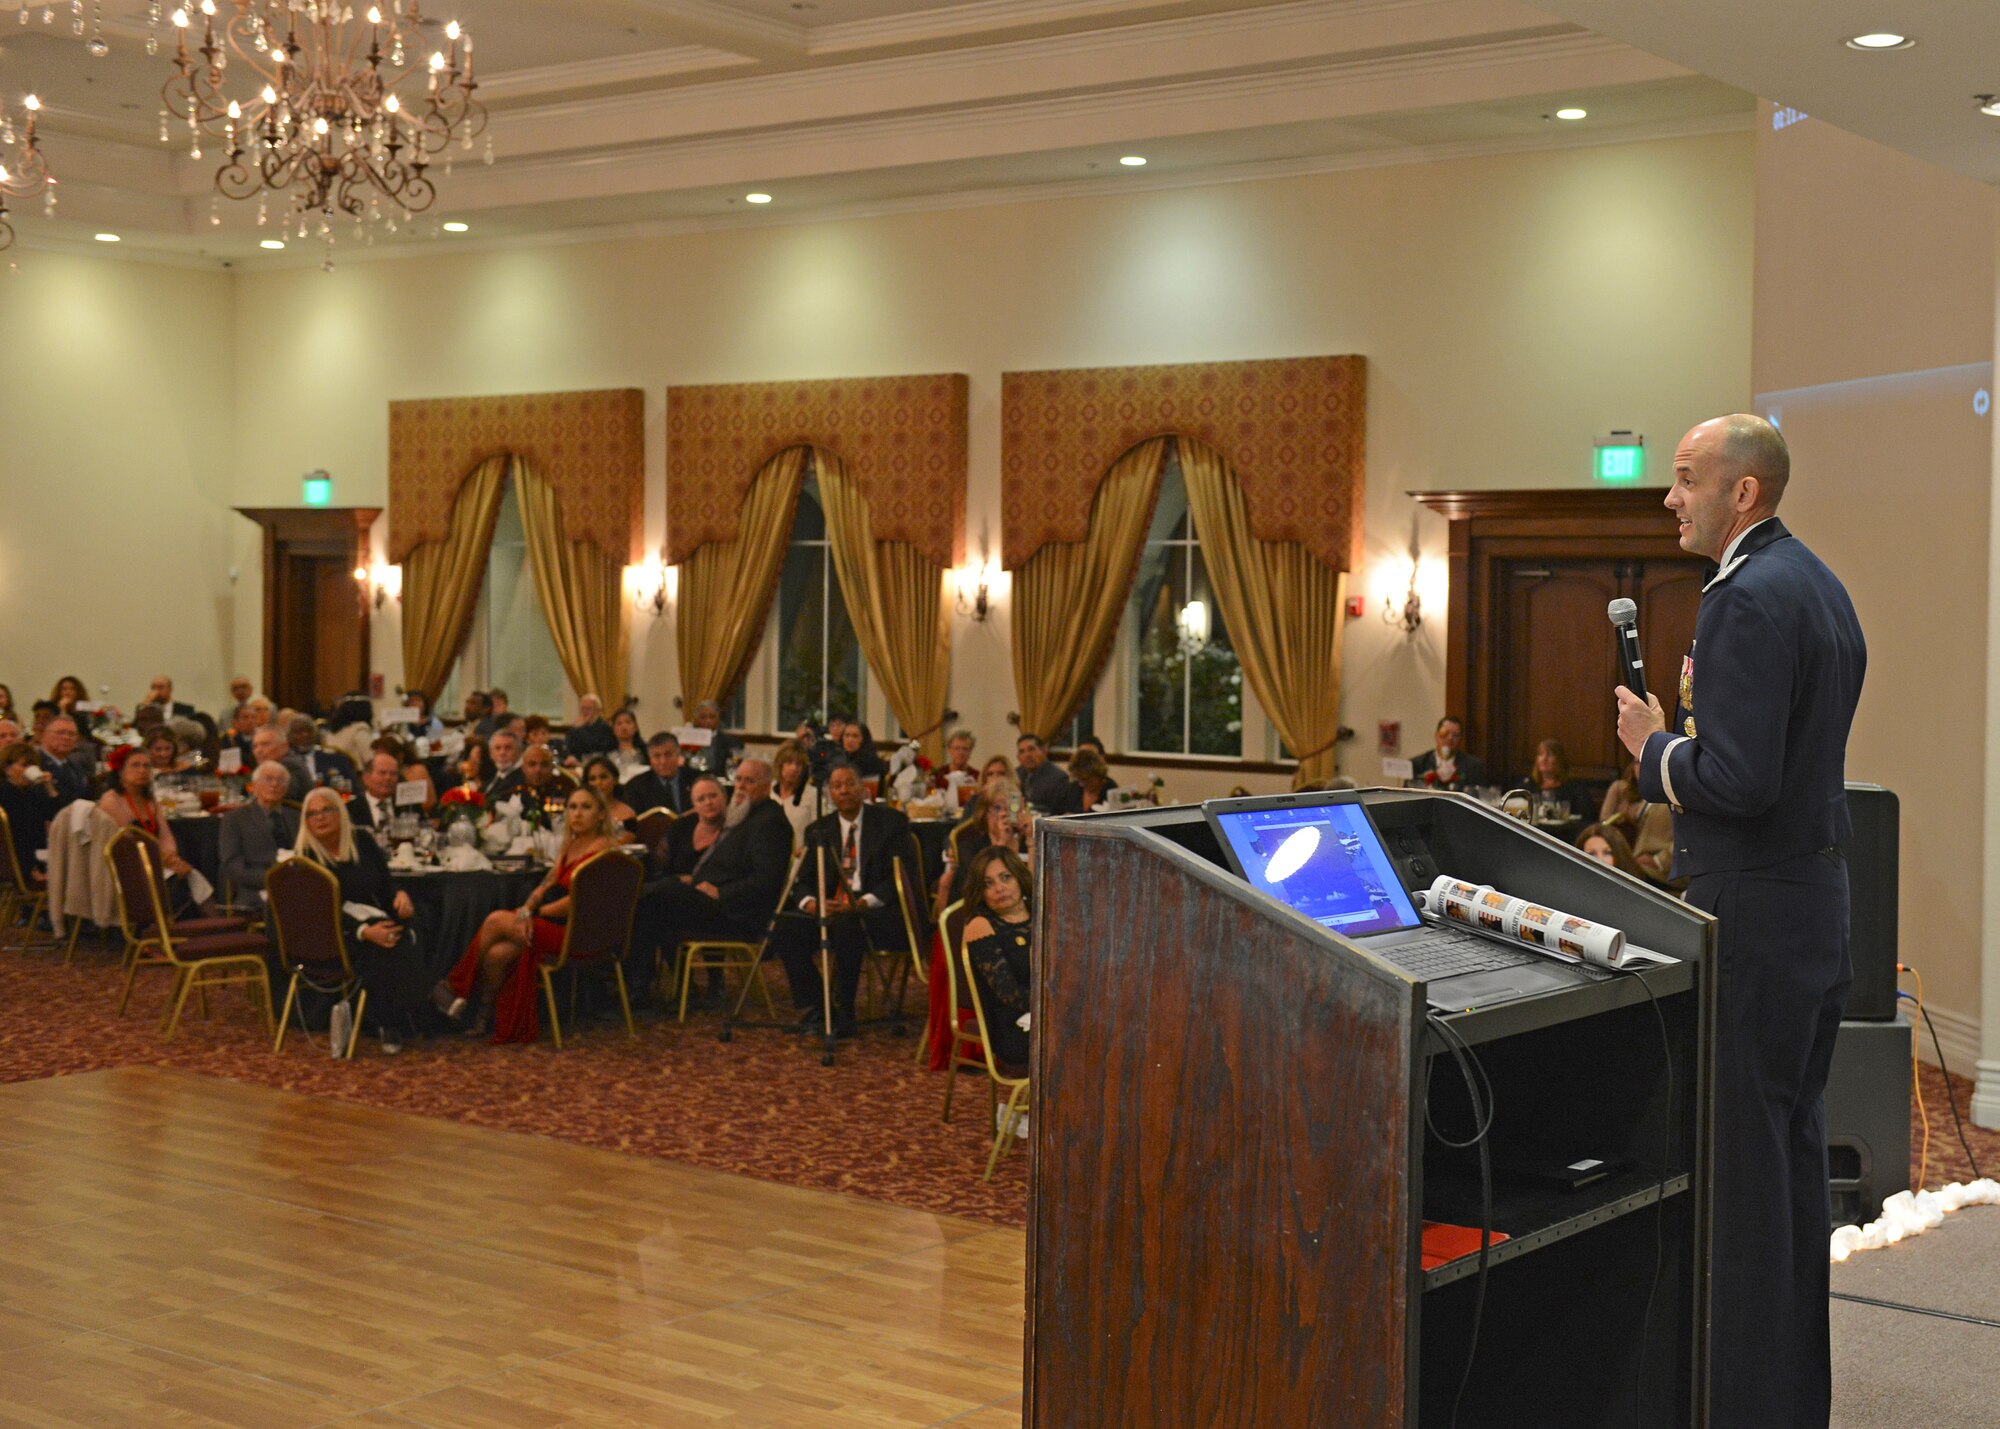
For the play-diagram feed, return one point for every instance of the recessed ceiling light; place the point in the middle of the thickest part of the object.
(1881, 40)
(1134, 161)
(1572, 113)
(108, 238)
(272, 243)
(456, 227)
(756, 198)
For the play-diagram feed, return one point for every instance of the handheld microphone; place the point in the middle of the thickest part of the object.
(1624, 614)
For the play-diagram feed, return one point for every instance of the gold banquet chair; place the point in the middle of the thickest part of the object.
(735, 955)
(603, 895)
(965, 1049)
(890, 968)
(19, 897)
(652, 828)
(1015, 1087)
(200, 959)
(303, 902)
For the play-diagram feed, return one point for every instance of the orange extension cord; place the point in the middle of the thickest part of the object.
(1917, 1082)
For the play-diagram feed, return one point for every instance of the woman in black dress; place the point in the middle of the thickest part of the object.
(999, 941)
(375, 915)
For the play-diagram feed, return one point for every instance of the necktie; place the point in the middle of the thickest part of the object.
(847, 854)
(278, 838)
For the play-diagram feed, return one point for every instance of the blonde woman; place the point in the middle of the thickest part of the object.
(375, 916)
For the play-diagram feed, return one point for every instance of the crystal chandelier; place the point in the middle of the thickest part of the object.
(23, 171)
(329, 108)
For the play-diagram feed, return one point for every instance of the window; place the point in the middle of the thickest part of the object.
(819, 658)
(509, 645)
(1187, 687)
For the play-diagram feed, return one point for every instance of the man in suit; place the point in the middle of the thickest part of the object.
(668, 784)
(1446, 765)
(268, 746)
(858, 845)
(731, 890)
(505, 749)
(161, 694)
(723, 747)
(536, 780)
(1046, 788)
(252, 835)
(322, 766)
(497, 717)
(591, 734)
(68, 774)
(1755, 771)
(375, 805)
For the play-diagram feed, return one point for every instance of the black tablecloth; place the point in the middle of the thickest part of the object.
(200, 843)
(932, 836)
(451, 906)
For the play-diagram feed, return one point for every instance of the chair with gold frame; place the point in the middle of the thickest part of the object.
(18, 894)
(740, 955)
(890, 968)
(653, 826)
(966, 1050)
(603, 895)
(200, 960)
(303, 901)
(1015, 1087)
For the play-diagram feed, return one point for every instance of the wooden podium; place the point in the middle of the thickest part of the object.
(1231, 1168)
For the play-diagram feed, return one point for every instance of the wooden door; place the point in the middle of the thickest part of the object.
(315, 616)
(1668, 593)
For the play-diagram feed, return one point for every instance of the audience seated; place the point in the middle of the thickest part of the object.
(1606, 843)
(68, 767)
(375, 916)
(958, 758)
(498, 716)
(475, 765)
(536, 730)
(536, 781)
(793, 789)
(161, 694)
(1446, 765)
(724, 748)
(628, 748)
(374, 803)
(425, 724)
(857, 846)
(1046, 788)
(321, 765)
(503, 746)
(243, 726)
(602, 775)
(494, 985)
(1550, 779)
(165, 750)
(7, 710)
(11, 731)
(69, 692)
(269, 746)
(858, 751)
(240, 691)
(1089, 778)
(997, 768)
(28, 796)
(475, 712)
(667, 784)
(250, 836)
(998, 820)
(1648, 827)
(591, 734)
(999, 942)
(131, 801)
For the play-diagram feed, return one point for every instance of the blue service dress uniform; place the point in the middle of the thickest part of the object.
(1753, 766)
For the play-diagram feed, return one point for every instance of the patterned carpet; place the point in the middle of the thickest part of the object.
(761, 1105)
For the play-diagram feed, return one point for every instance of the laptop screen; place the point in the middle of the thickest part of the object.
(1325, 861)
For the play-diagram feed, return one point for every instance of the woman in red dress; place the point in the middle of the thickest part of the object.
(494, 984)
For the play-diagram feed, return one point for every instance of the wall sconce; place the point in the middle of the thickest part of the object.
(975, 585)
(1411, 617)
(385, 581)
(1191, 628)
(653, 584)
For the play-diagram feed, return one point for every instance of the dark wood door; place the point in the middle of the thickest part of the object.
(315, 614)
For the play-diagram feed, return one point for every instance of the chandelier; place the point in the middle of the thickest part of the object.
(344, 115)
(23, 171)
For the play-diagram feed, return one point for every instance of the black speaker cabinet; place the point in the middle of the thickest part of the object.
(1872, 859)
(1868, 1118)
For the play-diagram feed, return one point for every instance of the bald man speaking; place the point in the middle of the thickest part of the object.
(1753, 767)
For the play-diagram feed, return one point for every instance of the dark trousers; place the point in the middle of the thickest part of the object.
(669, 911)
(1782, 971)
(796, 940)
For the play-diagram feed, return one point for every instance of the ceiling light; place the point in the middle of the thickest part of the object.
(1882, 40)
(272, 243)
(756, 198)
(456, 227)
(1134, 161)
(1572, 113)
(107, 238)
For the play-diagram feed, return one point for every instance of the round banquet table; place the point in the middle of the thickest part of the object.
(451, 906)
(932, 836)
(199, 839)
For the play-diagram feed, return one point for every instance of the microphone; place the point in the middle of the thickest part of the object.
(1625, 616)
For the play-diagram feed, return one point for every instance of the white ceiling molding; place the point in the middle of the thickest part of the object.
(611, 70)
(706, 22)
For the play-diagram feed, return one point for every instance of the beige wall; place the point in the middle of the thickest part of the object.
(1511, 308)
(1874, 330)
(115, 473)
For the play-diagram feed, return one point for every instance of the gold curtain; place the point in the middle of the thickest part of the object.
(896, 597)
(582, 591)
(1282, 607)
(441, 581)
(726, 585)
(1070, 595)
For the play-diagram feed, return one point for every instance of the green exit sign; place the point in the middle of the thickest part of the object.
(318, 489)
(1621, 457)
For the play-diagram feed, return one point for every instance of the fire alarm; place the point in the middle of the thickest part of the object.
(1357, 606)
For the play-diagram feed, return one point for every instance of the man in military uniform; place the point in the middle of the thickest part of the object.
(1753, 767)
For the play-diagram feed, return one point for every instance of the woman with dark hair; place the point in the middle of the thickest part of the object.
(166, 751)
(426, 724)
(791, 786)
(1606, 843)
(628, 754)
(995, 821)
(29, 798)
(602, 775)
(7, 710)
(858, 752)
(375, 915)
(68, 692)
(1549, 779)
(131, 801)
(999, 942)
(1091, 776)
(475, 765)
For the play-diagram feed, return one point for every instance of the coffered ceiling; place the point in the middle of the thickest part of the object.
(635, 115)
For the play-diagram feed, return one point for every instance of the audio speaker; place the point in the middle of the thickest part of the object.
(1872, 860)
(1868, 1118)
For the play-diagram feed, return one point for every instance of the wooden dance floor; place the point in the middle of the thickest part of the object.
(178, 1249)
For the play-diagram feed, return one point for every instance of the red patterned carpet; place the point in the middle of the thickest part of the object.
(761, 1105)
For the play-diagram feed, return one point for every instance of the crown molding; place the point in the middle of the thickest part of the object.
(634, 68)
(710, 23)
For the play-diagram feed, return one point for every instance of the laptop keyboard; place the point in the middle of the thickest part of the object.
(1448, 954)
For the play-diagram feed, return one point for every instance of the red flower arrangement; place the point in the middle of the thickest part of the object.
(464, 802)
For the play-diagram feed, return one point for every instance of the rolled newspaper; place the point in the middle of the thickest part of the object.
(1482, 906)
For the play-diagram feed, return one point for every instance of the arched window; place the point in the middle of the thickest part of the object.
(820, 670)
(1186, 686)
(508, 645)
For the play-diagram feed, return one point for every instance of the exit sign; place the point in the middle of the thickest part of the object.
(1621, 458)
(318, 489)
